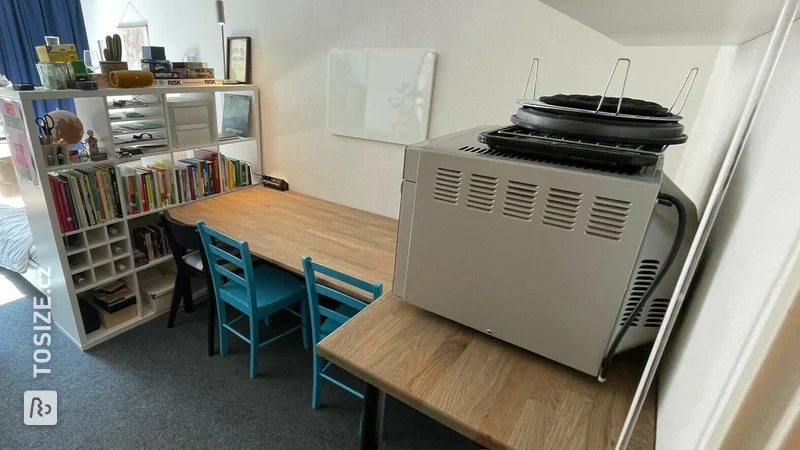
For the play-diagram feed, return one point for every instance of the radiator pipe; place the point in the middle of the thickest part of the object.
(734, 152)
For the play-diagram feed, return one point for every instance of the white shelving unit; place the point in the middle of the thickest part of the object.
(103, 253)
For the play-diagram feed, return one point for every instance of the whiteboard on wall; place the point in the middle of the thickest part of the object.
(380, 94)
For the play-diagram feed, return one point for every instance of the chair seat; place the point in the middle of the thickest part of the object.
(194, 260)
(329, 325)
(274, 290)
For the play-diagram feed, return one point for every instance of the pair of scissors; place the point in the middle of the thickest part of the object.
(46, 125)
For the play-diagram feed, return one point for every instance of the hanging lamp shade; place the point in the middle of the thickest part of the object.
(220, 12)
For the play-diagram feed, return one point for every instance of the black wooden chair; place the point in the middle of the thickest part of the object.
(190, 259)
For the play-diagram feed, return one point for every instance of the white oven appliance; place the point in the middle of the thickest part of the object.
(552, 257)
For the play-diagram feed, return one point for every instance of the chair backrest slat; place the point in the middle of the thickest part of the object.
(216, 251)
(340, 297)
(331, 314)
(230, 275)
(341, 276)
(314, 289)
(211, 240)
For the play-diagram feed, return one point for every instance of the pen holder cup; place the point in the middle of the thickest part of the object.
(56, 154)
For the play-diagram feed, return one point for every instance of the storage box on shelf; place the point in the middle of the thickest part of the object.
(95, 247)
(156, 286)
(190, 120)
(114, 303)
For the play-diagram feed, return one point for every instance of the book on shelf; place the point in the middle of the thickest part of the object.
(146, 188)
(85, 197)
(112, 300)
(238, 173)
(209, 173)
(150, 243)
(189, 82)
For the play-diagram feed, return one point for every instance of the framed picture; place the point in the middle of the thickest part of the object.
(238, 67)
(134, 37)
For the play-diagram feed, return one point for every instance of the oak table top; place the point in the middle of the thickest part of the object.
(282, 227)
(494, 393)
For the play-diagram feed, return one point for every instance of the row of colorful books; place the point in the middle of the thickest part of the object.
(147, 187)
(91, 196)
(209, 173)
(85, 197)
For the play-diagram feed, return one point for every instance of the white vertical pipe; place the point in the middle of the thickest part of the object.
(734, 152)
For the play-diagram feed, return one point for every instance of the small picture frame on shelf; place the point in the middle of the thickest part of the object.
(238, 67)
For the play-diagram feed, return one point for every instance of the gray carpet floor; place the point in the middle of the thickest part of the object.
(156, 388)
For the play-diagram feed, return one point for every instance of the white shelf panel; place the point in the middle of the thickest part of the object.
(105, 280)
(123, 256)
(141, 141)
(148, 130)
(145, 155)
(102, 334)
(101, 263)
(76, 250)
(109, 222)
(237, 140)
(197, 147)
(154, 262)
(214, 147)
(82, 268)
(152, 211)
(134, 119)
(118, 238)
(122, 108)
(41, 94)
(79, 165)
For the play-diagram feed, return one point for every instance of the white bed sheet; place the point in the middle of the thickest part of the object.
(16, 241)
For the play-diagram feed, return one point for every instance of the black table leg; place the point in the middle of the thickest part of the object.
(372, 418)
(212, 307)
(212, 320)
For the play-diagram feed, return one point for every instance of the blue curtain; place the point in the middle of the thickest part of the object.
(23, 26)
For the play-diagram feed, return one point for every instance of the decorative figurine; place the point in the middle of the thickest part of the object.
(94, 152)
(91, 143)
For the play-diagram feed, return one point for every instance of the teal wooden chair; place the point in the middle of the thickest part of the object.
(325, 320)
(256, 292)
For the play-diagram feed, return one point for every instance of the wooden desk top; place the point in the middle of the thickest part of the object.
(282, 227)
(496, 394)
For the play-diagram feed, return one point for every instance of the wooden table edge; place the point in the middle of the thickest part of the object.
(408, 399)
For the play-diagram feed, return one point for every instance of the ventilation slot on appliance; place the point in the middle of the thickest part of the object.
(645, 276)
(479, 150)
(607, 218)
(482, 190)
(561, 208)
(656, 313)
(447, 186)
(519, 200)
(504, 154)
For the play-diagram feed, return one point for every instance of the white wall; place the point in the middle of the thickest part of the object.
(484, 49)
(749, 246)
